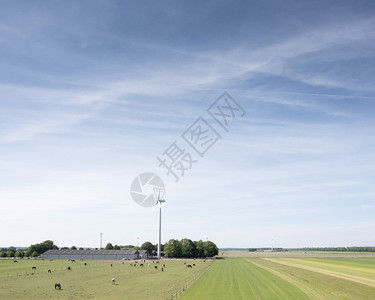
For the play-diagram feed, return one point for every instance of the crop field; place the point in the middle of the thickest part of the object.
(286, 278)
(94, 280)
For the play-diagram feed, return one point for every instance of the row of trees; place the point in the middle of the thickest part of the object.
(187, 248)
(38, 249)
(173, 248)
(338, 249)
(11, 253)
(183, 248)
(32, 251)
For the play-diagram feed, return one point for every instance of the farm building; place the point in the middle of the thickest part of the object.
(94, 254)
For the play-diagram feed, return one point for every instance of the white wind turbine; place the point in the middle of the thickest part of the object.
(159, 193)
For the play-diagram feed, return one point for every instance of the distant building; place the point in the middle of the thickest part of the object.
(95, 254)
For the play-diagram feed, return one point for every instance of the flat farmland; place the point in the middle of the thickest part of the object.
(245, 276)
(274, 277)
(93, 281)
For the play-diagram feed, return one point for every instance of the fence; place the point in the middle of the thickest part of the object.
(190, 282)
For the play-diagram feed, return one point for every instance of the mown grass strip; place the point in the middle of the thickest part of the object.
(330, 286)
(236, 278)
(362, 267)
(341, 275)
(313, 294)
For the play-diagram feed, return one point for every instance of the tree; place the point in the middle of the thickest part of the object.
(40, 248)
(173, 248)
(73, 248)
(11, 254)
(149, 247)
(3, 254)
(116, 247)
(11, 248)
(199, 245)
(35, 254)
(210, 249)
(28, 253)
(20, 254)
(188, 248)
(109, 246)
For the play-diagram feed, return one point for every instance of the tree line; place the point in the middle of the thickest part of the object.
(189, 249)
(338, 249)
(32, 251)
(173, 248)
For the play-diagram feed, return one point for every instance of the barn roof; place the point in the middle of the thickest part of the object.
(91, 252)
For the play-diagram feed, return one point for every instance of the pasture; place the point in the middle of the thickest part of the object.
(234, 275)
(94, 281)
(282, 276)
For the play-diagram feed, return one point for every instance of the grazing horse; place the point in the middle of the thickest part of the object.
(33, 268)
(188, 266)
(113, 280)
(69, 268)
(85, 264)
(73, 260)
(141, 265)
(162, 269)
(156, 267)
(49, 271)
(15, 261)
(193, 265)
(163, 265)
(111, 265)
(57, 286)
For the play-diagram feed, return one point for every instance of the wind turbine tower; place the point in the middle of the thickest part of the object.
(159, 192)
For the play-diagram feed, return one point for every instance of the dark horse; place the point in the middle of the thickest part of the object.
(57, 286)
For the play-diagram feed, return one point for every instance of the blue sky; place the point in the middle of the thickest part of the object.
(92, 92)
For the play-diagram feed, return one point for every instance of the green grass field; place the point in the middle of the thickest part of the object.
(94, 280)
(247, 276)
(286, 278)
